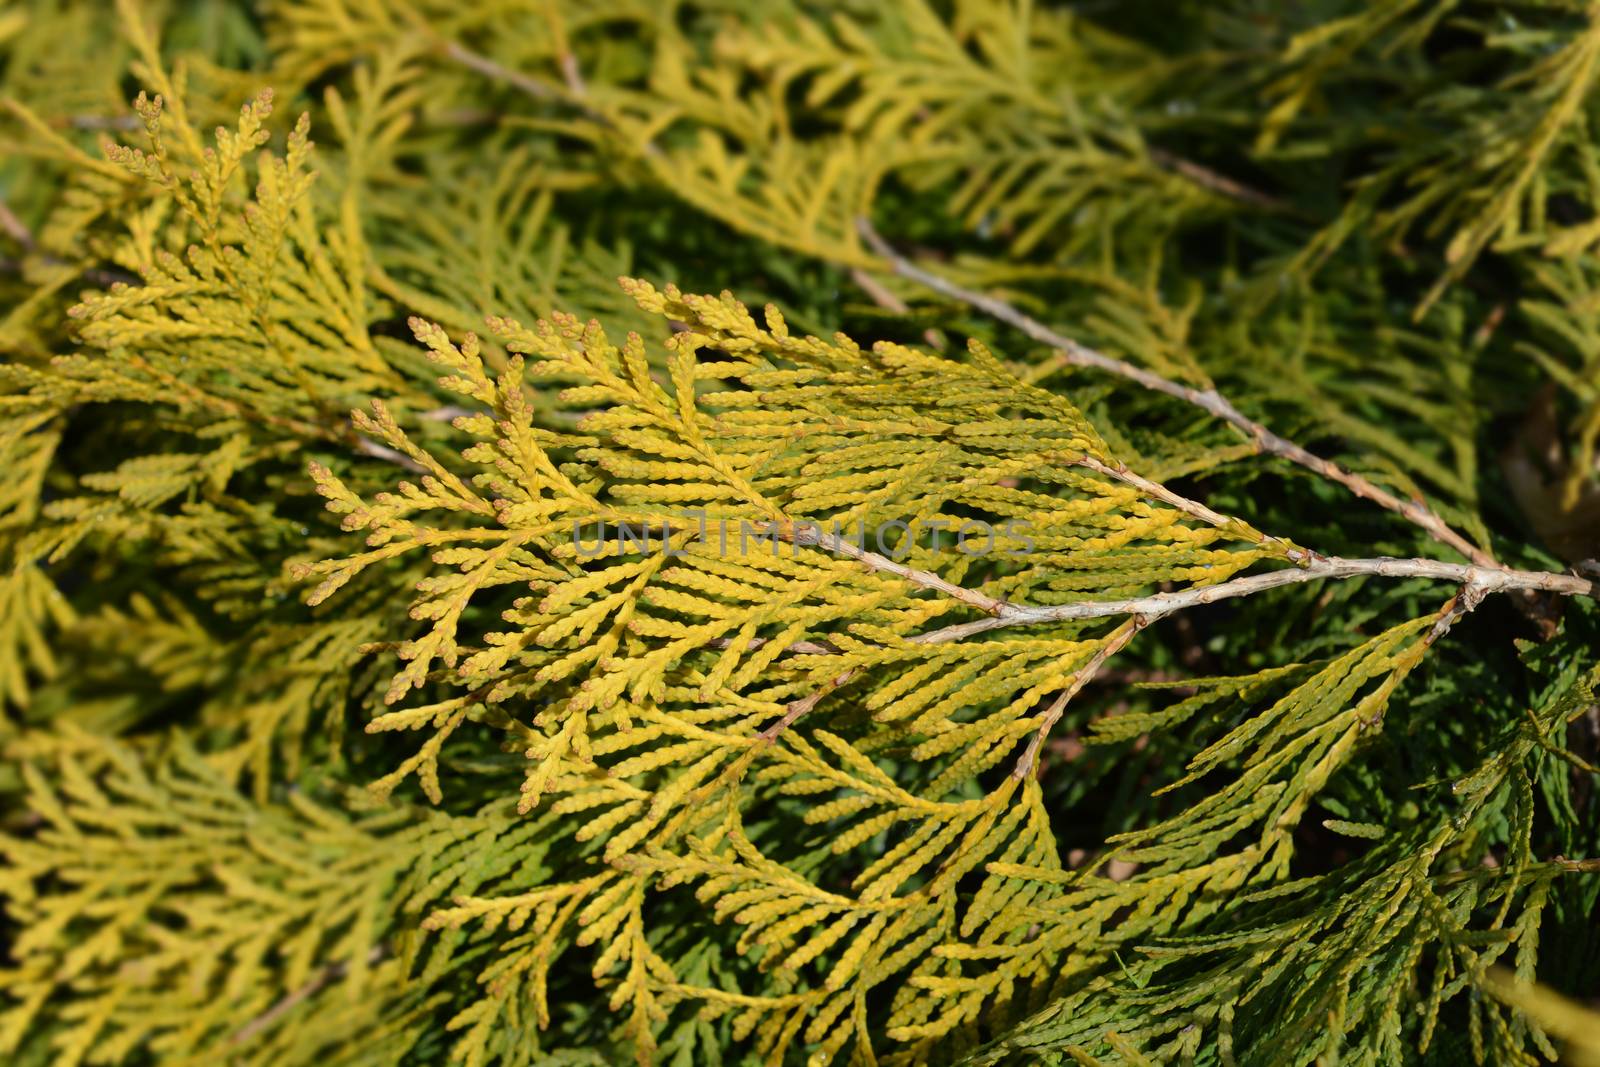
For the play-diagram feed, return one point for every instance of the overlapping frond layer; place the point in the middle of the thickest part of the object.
(775, 503)
(185, 914)
(686, 685)
(1368, 957)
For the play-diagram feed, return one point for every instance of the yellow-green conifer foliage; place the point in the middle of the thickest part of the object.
(1109, 579)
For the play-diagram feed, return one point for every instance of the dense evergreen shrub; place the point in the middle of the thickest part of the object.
(1110, 580)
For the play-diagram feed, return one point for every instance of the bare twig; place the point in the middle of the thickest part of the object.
(881, 294)
(1476, 582)
(98, 122)
(447, 413)
(1080, 355)
(1071, 351)
(807, 534)
(1487, 579)
(368, 447)
(885, 298)
(1220, 184)
(1293, 552)
(572, 74)
(575, 97)
(798, 648)
(495, 72)
(803, 533)
(1470, 596)
(15, 228)
(328, 975)
(803, 706)
(1118, 639)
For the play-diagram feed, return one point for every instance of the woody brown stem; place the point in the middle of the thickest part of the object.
(1119, 638)
(1209, 400)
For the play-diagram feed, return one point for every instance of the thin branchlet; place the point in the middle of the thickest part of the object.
(1079, 355)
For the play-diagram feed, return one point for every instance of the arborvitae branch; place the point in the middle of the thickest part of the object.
(536, 768)
(1209, 400)
(1487, 579)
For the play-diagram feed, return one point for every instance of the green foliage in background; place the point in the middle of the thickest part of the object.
(335, 733)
